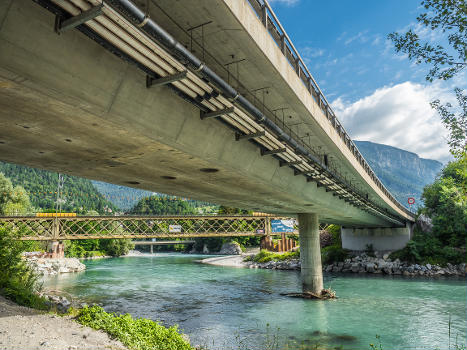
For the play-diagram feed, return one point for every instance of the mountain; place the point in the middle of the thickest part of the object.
(79, 195)
(122, 197)
(403, 173)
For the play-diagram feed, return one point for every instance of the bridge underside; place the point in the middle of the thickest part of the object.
(68, 105)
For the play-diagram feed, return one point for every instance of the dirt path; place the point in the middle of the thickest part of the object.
(25, 328)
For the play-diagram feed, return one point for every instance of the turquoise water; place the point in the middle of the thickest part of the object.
(225, 307)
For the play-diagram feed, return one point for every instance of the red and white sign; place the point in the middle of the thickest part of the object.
(411, 200)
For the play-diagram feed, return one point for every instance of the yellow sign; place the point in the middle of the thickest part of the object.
(54, 215)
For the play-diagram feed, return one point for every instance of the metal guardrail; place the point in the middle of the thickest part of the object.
(97, 227)
(267, 16)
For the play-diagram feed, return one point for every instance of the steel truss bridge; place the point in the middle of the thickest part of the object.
(96, 227)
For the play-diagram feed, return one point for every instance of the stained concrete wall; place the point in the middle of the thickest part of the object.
(389, 238)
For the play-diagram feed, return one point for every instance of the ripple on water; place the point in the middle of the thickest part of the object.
(226, 306)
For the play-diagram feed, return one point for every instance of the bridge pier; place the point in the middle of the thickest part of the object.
(310, 253)
(56, 249)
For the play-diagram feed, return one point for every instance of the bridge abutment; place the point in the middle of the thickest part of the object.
(386, 238)
(310, 253)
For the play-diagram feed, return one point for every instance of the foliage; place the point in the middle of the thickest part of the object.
(156, 205)
(449, 17)
(87, 248)
(333, 253)
(116, 247)
(79, 194)
(456, 124)
(446, 204)
(13, 200)
(265, 256)
(224, 210)
(17, 280)
(136, 334)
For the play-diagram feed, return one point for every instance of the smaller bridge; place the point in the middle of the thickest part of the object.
(162, 242)
(97, 227)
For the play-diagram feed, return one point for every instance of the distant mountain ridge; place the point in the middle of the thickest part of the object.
(404, 173)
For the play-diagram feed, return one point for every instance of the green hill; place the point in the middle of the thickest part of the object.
(79, 195)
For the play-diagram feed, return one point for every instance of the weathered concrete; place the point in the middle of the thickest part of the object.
(68, 105)
(310, 253)
(381, 238)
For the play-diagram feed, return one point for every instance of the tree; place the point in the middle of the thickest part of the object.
(450, 17)
(446, 203)
(155, 205)
(13, 200)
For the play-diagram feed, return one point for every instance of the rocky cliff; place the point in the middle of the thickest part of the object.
(403, 173)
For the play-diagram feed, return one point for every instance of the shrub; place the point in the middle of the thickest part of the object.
(136, 334)
(116, 247)
(333, 254)
(265, 256)
(18, 282)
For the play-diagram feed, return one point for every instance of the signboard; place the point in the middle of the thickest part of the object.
(279, 226)
(411, 200)
(175, 228)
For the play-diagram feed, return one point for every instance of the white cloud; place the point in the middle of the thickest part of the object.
(399, 116)
(361, 37)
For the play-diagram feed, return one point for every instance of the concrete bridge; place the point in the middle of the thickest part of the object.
(202, 99)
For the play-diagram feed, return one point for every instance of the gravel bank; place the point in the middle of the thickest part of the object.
(358, 264)
(25, 328)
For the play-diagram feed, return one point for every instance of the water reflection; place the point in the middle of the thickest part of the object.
(229, 307)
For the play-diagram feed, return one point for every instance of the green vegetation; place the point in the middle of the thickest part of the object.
(136, 334)
(450, 18)
(87, 248)
(446, 204)
(17, 280)
(265, 256)
(156, 205)
(334, 252)
(79, 195)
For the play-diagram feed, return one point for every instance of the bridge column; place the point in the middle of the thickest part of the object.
(310, 253)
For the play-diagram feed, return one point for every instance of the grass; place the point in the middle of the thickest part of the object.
(265, 256)
(136, 334)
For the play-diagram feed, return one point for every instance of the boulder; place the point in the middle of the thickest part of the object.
(370, 267)
(232, 248)
(424, 223)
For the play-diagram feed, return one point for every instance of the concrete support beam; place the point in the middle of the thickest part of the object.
(310, 253)
(389, 238)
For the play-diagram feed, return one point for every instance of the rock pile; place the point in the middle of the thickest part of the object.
(44, 266)
(384, 265)
(366, 264)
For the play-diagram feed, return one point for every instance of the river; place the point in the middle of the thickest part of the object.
(237, 308)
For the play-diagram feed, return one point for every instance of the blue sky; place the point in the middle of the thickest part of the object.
(378, 95)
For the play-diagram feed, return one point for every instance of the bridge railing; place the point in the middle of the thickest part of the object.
(90, 227)
(267, 16)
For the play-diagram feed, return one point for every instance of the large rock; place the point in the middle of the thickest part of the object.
(232, 248)
(45, 266)
(424, 223)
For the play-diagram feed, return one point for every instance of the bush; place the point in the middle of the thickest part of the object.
(333, 254)
(116, 247)
(136, 334)
(18, 282)
(428, 249)
(265, 256)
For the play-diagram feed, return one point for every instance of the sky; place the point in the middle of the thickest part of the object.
(377, 94)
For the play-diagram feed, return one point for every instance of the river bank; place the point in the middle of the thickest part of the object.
(361, 264)
(26, 328)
